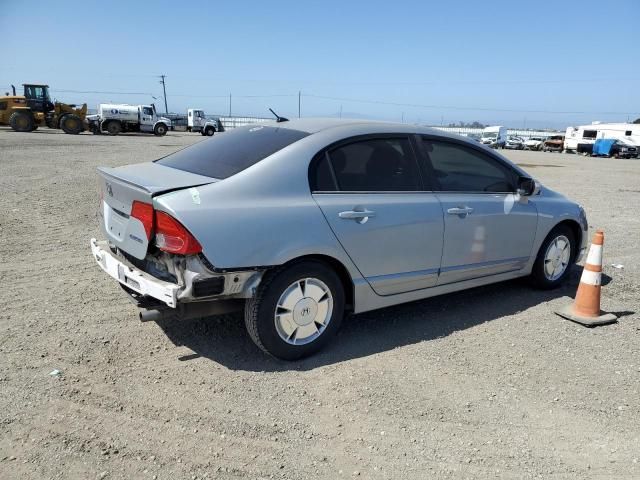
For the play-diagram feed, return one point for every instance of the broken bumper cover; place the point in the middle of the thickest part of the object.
(131, 277)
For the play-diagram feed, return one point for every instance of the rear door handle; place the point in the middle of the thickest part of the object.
(360, 216)
(460, 211)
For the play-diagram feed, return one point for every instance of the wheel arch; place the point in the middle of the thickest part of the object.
(575, 228)
(338, 267)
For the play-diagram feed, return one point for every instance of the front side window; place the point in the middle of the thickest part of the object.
(371, 165)
(458, 168)
(147, 110)
(590, 134)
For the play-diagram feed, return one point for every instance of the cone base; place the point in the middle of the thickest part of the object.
(603, 319)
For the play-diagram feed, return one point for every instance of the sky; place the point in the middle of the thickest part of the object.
(543, 64)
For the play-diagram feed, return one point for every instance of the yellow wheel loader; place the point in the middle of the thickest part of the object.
(69, 118)
(24, 113)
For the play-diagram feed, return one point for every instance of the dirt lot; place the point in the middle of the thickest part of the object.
(484, 383)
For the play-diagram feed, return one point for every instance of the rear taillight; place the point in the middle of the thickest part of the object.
(172, 237)
(143, 212)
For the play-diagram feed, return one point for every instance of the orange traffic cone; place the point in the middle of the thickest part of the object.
(586, 307)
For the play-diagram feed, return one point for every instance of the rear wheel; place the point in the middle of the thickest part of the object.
(554, 260)
(114, 127)
(296, 310)
(22, 121)
(71, 124)
(160, 130)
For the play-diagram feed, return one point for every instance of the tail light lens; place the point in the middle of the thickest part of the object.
(143, 212)
(172, 237)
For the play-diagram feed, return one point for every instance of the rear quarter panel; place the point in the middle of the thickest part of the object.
(262, 216)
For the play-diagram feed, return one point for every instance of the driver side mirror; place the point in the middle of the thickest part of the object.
(526, 186)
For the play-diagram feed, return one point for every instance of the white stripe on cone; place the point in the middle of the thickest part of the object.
(591, 278)
(595, 255)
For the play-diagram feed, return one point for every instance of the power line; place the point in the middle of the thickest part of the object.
(450, 107)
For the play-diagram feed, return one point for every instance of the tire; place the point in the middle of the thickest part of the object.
(22, 121)
(71, 124)
(269, 330)
(540, 277)
(209, 131)
(113, 127)
(160, 130)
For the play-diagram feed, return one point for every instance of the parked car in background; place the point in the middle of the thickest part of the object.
(611, 147)
(534, 143)
(474, 136)
(622, 149)
(302, 221)
(554, 143)
(514, 143)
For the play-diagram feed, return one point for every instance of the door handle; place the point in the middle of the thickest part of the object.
(361, 216)
(460, 211)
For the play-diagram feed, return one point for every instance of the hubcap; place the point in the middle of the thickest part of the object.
(557, 257)
(303, 311)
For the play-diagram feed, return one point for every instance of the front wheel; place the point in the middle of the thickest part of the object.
(209, 131)
(554, 260)
(71, 124)
(296, 310)
(160, 130)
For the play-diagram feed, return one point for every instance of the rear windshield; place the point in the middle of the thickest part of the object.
(228, 153)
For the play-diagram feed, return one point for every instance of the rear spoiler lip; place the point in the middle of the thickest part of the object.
(111, 173)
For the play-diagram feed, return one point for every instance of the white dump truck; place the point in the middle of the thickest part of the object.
(120, 118)
(198, 122)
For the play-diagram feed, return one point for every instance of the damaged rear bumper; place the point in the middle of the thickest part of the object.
(132, 278)
(196, 283)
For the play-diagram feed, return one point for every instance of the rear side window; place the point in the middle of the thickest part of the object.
(222, 156)
(590, 134)
(462, 169)
(372, 165)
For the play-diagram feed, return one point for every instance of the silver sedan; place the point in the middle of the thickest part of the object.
(300, 222)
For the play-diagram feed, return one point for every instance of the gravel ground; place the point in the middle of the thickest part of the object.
(484, 383)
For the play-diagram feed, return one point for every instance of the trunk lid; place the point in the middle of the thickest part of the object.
(121, 186)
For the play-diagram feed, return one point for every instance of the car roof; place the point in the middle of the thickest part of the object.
(318, 124)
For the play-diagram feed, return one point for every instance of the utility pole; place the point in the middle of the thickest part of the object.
(229, 103)
(164, 91)
(340, 110)
(299, 100)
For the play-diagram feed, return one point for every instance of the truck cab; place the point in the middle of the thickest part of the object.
(197, 121)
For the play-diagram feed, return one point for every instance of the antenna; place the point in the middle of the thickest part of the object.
(279, 119)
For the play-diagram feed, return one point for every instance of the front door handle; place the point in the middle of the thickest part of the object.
(360, 216)
(460, 211)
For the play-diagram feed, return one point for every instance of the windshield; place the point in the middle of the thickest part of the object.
(225, 155)
(490, 134)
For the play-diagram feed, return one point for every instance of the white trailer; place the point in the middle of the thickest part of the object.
(198, 122)
(495, 136)
(116, 118)
(581, 139)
